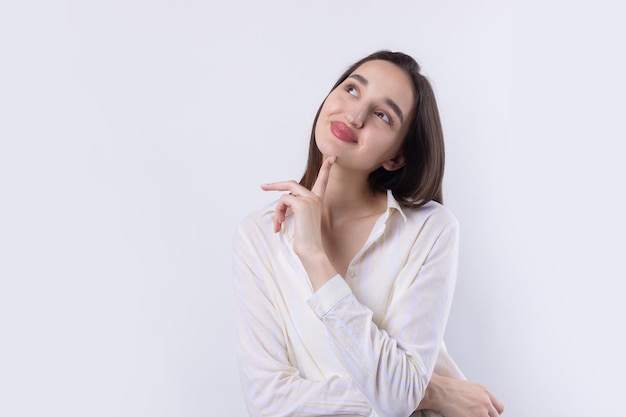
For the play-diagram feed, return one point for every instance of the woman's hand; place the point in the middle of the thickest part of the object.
(458, 398)
(306, 207)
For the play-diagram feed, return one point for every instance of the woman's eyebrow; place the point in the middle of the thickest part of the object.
(360, 79)
(389, 101)
(395, 108)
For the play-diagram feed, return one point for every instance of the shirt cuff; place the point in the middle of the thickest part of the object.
(329, 295)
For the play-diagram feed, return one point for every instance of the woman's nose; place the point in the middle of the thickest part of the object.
(355, 117)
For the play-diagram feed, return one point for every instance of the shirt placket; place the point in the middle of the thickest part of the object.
(377, 232)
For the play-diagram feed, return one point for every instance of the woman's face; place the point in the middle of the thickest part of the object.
(364, 120)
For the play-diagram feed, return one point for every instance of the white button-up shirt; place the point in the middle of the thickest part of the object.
(365, 345)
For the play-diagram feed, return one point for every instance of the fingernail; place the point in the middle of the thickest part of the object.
(332, 159)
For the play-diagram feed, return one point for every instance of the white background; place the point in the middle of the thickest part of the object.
(135, 134)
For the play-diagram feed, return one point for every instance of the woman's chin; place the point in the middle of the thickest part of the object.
(329, 147)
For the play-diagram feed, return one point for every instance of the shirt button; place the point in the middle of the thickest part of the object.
(352, 274)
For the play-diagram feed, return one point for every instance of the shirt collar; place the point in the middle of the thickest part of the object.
(392, 204)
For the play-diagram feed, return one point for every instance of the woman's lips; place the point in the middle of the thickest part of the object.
(342, 132)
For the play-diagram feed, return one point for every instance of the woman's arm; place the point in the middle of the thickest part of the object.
(271, 386)
(392, 364)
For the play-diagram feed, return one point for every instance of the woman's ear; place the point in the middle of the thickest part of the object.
(394, 163)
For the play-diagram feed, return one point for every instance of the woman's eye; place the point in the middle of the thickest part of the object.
(384, 117)
(352, 90)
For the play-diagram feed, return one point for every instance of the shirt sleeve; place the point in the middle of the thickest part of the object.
(392, 364)
(271, 386)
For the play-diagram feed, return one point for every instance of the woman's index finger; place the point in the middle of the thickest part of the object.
(319, 188)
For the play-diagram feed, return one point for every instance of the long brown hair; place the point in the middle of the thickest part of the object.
(420, 179)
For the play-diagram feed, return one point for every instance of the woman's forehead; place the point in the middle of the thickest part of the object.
(386, 79)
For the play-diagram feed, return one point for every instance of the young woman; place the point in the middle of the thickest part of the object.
(344, 285)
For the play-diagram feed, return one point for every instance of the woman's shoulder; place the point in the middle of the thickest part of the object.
(257, 220)
(431, 213)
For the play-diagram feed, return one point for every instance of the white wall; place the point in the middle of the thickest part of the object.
(134, 135)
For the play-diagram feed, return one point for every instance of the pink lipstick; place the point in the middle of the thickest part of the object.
(342, 132)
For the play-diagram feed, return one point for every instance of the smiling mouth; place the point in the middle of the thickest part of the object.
(342, 132)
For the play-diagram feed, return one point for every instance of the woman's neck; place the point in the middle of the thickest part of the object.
(348, 196)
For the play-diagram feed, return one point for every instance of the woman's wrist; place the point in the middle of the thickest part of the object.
(318, 268)
(433, 396)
